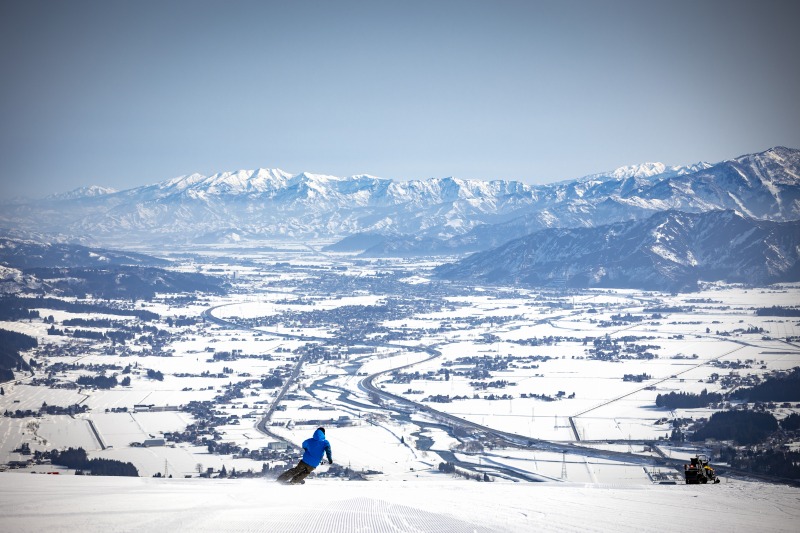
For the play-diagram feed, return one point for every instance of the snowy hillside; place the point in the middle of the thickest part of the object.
(438, 215)
(26, 254)
(668, 251)
(33, 503)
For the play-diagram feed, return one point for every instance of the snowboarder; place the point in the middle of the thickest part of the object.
(314, 449)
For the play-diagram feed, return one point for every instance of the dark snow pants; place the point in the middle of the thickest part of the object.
(296, 474)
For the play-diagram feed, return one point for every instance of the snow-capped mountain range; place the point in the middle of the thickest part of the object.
(764, 186)
(83, 192)
(421, 216)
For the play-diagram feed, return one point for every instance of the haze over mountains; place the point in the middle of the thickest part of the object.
(272, 204)
(750, 205)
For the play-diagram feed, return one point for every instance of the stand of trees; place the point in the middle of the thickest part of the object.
(744, 427)
(11, 343)
(779, 463)
(774, 389)
(11, 312)
(778, 311)
(93, 322)
(791, 422)
(687, 400)
(271, 382)
(74, 307)
(100, 382)
(77, 459)
(89, 334)
(450, 468)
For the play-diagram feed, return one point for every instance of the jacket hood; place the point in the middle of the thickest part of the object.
(318, 435)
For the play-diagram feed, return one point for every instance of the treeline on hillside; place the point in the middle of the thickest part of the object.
(20, 303)
(743, 427)
(77, 459)
(687, 400)
(778, 311)
(11, 343)
(784, 388)
(129, 282)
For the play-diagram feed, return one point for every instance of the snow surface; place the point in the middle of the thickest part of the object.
(77, 503)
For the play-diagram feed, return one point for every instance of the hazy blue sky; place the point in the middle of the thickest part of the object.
(123, 94)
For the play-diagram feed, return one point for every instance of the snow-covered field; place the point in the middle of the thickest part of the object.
(35, 503)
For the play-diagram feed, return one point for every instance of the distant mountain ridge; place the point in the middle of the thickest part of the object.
(83, 192)
(764, 186)
(669, 251)
(30, 267)
(434, 216)
(26, 254)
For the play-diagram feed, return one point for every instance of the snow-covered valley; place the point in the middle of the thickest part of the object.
(443, 401)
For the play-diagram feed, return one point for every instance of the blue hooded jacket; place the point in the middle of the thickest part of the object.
(314, 448)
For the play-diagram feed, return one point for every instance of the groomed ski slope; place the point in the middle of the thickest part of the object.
(37, 502)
